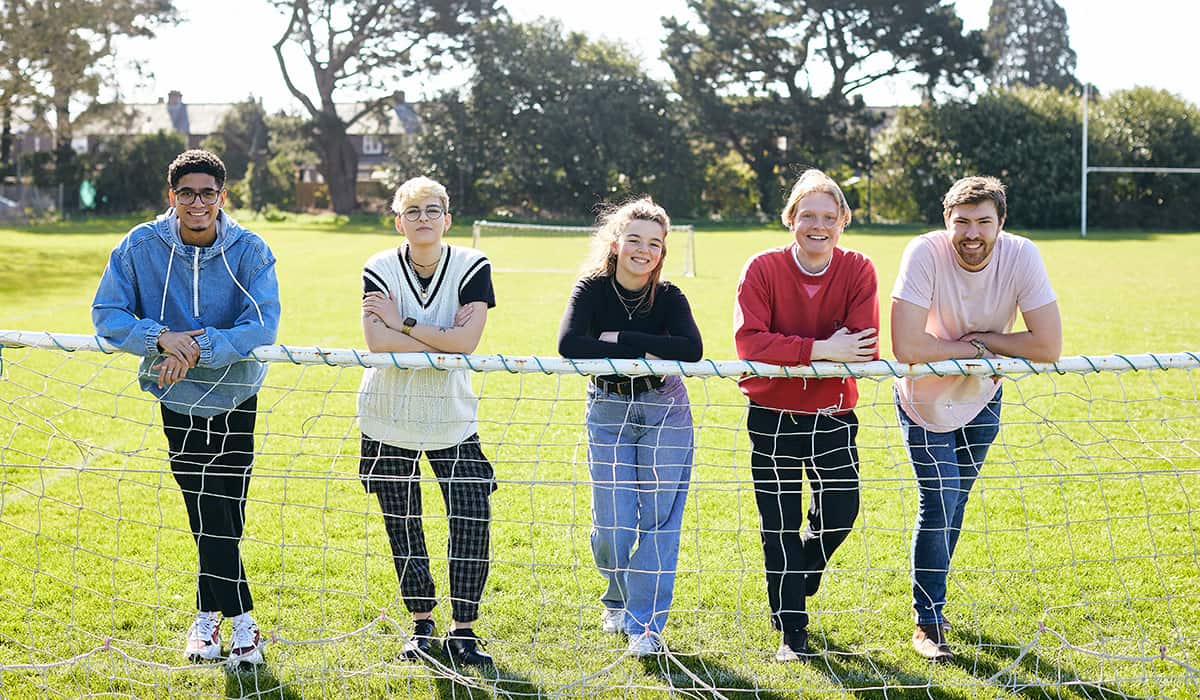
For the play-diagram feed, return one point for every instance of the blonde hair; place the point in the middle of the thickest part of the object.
(612, 222)
(813, 181)
(417, 189)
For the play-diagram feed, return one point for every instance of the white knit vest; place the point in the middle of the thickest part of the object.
(422, 409)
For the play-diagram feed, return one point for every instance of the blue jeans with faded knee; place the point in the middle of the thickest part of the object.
(640, 458)
(946, 467)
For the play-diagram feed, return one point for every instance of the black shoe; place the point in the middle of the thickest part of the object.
(420, 644)
(794, 646)
(930, 642)
(463, 647)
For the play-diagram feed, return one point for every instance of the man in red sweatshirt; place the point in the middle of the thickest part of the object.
(809, 300)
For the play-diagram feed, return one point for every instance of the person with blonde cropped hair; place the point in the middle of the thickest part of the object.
(640, 436)
(806, 301)
(428, 295)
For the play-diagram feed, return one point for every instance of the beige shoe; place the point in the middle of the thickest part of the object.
(930, 642)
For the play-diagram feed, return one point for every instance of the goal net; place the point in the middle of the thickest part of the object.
(1076, 574)
(682, 245)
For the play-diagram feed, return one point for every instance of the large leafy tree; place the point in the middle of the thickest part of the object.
(1028, 43)
(553, 123)
(777, 80)
(363, 46)
(69, 55)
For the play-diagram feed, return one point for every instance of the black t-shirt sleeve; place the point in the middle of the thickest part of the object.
(372, 282)
(479, 287)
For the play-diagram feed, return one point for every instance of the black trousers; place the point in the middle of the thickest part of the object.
(211, 460)
(467, 481)
(785, 448)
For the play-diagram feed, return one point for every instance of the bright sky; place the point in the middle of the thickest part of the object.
(1117, 47)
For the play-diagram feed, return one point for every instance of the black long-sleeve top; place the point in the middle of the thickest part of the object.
(667, 329)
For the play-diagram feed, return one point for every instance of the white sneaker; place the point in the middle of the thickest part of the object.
(245, 645)
(612, 620)
(644, 644)
(204, 637)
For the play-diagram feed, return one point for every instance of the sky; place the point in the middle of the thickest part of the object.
(1117, 47)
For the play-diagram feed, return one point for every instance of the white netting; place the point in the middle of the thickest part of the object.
(482, 228)
(1076, 574)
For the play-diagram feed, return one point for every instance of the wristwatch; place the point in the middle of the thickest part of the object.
(161, 332)
(980, 348)
(409, 322)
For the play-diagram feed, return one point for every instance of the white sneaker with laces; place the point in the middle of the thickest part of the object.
(204, 637)
(245, 645)
(612, 620)
(644, 644)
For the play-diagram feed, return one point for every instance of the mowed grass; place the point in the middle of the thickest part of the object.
(1079, 553)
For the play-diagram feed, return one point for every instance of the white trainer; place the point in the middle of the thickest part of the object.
(644, 644)
(612, 620)
(245, 644)
(204, 638)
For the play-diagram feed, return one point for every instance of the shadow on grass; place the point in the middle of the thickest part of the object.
(713, 676)
(246, 681)
(1031, 675)
(867, 676)
(497, 681)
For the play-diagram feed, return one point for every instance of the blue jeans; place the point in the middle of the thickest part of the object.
(640, 455)
(946, 466)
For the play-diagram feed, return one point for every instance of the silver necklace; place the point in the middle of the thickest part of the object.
(413, 265)
(629, 311)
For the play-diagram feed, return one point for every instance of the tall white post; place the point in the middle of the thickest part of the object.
(1084, 169)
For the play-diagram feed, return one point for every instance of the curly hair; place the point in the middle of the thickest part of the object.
(602, 261)
(195, 160)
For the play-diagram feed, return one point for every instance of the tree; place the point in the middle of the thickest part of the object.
(1028, 137)
(746, 69)
(1028, 43)
(241, 138)
(71, 59)
(553, 123)
(130, 173)
(364, 45)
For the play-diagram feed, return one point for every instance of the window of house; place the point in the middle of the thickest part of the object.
(372, 145)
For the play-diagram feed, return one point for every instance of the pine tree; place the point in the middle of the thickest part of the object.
(1029, 44)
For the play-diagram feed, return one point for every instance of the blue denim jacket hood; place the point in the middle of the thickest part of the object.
(154, 280)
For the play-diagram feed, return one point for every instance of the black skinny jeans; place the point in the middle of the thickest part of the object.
(211, 460)
(786, 447)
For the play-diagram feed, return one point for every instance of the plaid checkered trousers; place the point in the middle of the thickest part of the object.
(467, 481)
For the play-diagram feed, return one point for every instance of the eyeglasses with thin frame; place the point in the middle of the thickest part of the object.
(431, 213)
(206, 195)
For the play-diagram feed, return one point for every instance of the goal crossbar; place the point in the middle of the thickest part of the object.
(527, 364)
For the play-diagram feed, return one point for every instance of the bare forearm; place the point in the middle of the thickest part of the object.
(1023, 344)
(381, 338)
(459, 339)
(925, 347)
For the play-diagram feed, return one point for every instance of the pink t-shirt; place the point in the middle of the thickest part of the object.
(962, 302)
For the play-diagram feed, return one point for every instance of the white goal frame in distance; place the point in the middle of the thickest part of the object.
(1085, 169)
(689, 255)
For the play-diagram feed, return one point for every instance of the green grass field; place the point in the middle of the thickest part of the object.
(1080, 550)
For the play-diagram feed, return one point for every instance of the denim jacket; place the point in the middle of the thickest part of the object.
(153, 280)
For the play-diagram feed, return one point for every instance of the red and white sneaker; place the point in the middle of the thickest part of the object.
(245, 645)
(204, 638)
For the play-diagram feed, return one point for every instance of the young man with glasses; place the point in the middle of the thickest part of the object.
(428, 296)
(192, 292)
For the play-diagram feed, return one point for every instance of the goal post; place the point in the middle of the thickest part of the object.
(1076, 567)
(1086, 168)
(480, 226)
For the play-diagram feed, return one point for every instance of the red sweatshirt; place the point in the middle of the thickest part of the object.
(781, 310)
